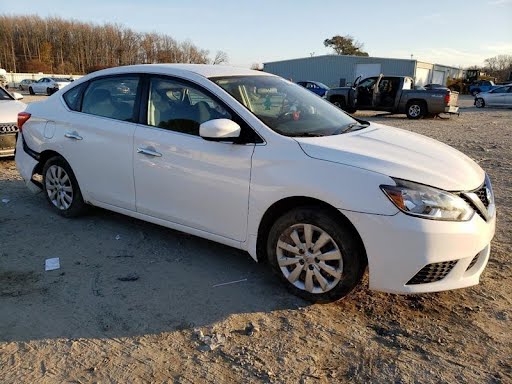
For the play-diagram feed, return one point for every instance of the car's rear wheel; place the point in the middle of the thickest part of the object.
(61, 187)
(31, 91)
(317, 257)
(479, 103)
(416, 110)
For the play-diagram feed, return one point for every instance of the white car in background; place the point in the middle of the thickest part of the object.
(48, 85)
(496, 97)
(10, 106)
(256, 162)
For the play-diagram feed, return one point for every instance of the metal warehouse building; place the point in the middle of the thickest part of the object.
(338, 70)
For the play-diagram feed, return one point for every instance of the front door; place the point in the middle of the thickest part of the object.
(179, 176)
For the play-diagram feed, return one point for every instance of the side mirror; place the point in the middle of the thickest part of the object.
(219, 130)
(17, 96)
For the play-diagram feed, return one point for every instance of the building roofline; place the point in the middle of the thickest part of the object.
(335, 55)
(362, 57)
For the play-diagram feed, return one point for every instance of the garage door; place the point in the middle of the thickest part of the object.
(367, 70)
(438, 77)
(422, 76)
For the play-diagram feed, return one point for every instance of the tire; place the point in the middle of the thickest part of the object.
(474, 92)
(21, 87)
(31, 91)
(339, 102)
(416, 110)
(479, 103)
(298, 264)
(61, 188)
(49, 91)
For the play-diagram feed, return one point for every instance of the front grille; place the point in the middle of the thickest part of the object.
(431, 273)
(474, 198)
(482, 195)
(8, 128)
(473, 262)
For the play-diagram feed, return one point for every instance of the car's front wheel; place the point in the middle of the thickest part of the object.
(479, 103)
(31, 91)
(61, 187)
(317, 257)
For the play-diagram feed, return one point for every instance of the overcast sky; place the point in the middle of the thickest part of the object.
(452, 32)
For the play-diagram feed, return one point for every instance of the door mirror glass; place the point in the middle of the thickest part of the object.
(219, 129)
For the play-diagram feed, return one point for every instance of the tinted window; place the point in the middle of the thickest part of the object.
(4, 95)
(112, 97)
(72, 97)
(181, 107)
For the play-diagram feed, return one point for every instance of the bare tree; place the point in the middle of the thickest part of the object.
(31, 43)
(221, 57)
(499, 66)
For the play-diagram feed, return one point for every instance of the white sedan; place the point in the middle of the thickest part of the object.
(48, 85)
(256, 162)
(497, 97)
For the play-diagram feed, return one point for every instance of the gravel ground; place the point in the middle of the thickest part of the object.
(135, 302)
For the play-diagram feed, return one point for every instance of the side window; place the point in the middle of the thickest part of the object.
(181, 107)
(72, 97)
(112, 97)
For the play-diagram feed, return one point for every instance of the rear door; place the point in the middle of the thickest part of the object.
(97, 139)
(179, 176)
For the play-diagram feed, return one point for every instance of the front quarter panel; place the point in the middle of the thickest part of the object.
(283, 170)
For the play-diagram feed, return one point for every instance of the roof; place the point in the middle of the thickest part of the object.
(205, 70)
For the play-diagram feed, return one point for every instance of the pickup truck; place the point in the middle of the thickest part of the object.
(393, 94)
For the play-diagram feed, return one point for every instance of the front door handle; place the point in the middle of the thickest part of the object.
(73, 135)
(149, 152)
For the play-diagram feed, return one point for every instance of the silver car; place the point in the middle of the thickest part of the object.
(497, 97)
(9, 109)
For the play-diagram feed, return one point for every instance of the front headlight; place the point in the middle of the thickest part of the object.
(427, 202)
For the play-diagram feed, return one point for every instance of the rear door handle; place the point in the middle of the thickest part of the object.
(73, 135)
(149, 152)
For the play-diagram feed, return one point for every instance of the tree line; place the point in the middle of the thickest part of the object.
(54, 45)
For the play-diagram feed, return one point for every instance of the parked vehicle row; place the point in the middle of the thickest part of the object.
(256, 162)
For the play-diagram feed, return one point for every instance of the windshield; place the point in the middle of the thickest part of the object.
(285, 107)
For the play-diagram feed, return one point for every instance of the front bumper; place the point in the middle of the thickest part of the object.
(403, 250)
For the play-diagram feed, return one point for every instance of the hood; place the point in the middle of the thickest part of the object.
(9, 110)
(398, 153)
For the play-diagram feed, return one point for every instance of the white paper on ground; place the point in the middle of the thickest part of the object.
(52, 264)
(5, 201)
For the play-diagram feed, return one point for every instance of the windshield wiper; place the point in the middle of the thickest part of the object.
(352, 127)
(307, 134)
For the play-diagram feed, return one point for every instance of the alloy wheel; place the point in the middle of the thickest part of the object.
(58, 187)
(309, 258)
(414, 110)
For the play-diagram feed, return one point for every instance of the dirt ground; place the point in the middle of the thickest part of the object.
(134, 302)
